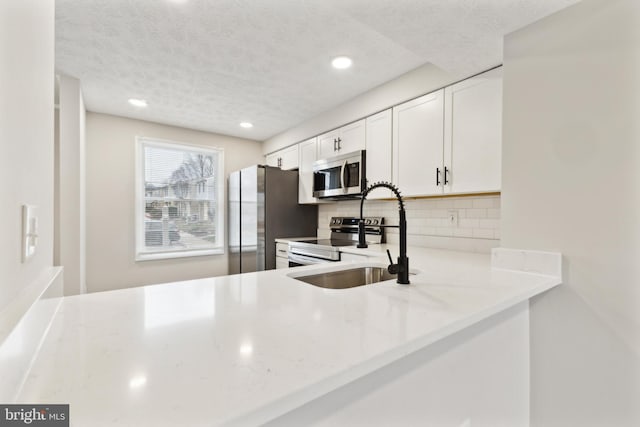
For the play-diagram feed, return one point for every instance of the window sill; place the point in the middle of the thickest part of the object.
(154, 256)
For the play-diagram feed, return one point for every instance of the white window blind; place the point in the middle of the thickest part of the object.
(179, 205)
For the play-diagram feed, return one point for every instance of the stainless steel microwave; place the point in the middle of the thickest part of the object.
(340, 176)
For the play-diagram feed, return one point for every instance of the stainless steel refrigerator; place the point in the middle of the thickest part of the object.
(263, 206)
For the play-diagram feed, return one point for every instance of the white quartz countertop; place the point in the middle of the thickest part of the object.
(243, 349)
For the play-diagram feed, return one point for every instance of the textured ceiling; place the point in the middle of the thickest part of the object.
(210, 64)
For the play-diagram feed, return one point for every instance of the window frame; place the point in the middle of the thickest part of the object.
(140, 201)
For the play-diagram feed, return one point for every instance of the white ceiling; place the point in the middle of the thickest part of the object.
(210, 64)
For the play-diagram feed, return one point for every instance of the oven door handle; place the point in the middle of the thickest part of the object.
(306, 260)
(344, 166)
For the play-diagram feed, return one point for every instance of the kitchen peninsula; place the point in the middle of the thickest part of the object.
(265, 348)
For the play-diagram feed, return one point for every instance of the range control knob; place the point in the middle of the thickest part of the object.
(368, 222)
(375, 222)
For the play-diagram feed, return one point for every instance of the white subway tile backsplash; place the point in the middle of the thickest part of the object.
(477, 229)
(493, 213)
(489, 223)
(444, 231)
(480, 233)
(476, 213)
(463, 232)
(438, 213)
(483, 203)
(463, 203)
(445, 203)
(469, 222)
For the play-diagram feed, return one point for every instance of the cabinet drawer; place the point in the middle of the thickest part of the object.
(282, 250)
(282, 262)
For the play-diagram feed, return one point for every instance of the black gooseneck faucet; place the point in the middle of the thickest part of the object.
(401, 268)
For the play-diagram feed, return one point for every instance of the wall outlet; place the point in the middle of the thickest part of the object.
(29, 231)
(452, 216)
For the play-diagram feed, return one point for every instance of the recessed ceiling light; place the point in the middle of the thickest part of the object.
(138, 102)
(246, 125)
(341, 62)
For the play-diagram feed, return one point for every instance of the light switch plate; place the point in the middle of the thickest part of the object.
(29, 231)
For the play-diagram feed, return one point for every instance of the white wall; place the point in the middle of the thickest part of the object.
(420, 81)
(26, 149)
(111, 202)
(571, 178)
(69, 248)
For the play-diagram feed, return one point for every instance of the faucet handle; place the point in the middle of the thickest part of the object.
(393, 268)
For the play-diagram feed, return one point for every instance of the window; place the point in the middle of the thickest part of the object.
(179, 206)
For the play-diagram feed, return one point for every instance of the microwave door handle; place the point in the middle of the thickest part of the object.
(344, 166)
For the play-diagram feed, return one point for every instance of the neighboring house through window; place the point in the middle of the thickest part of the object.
(179, 205)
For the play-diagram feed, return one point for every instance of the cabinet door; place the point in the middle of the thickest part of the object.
(282, 250)
(308, 154)
(352, 137)
(289, 158)
(418, 145)
(328, 145)
(285, 159)
(272, 159)
(282, 263)
(473, 134)
(379, 151)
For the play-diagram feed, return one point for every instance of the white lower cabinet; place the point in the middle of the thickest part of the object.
(282, 255)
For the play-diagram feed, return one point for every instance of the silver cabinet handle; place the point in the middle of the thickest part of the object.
(339, 145)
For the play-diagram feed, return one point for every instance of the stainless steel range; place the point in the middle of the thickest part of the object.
(344, 232)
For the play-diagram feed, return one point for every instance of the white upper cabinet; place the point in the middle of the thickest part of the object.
(379, 151)
(328, 144)
(446, 142)
(285, 159)
(473, 134)
(308, 154)
(352, 137)
(342, 140)
(273, 159)
(418, 137)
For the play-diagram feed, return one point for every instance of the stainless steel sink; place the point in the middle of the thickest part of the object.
(343, 279)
